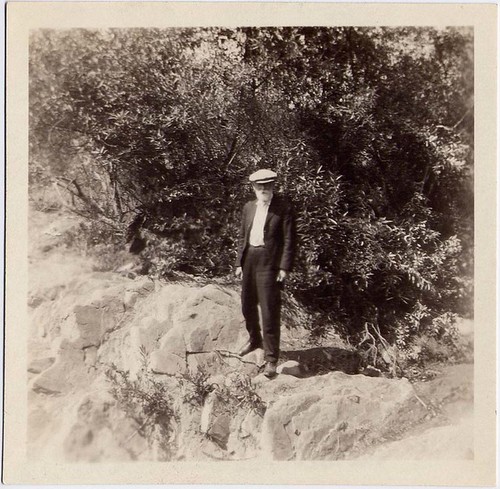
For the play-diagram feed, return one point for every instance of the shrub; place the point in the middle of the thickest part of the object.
(239, 392)
(148, 401)
(439, 342)
(236, 393)
(371, 131)
(195, 386)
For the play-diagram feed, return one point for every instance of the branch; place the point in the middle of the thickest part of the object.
(462, 118)
(452, 128)
(84, 198)
(56, 124)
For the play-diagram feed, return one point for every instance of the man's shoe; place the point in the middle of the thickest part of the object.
(249, 347)
(270, 370)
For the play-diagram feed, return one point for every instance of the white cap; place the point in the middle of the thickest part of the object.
(263, 176)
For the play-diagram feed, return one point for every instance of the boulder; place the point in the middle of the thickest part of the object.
(278, 440)
(101, 432)
(40, 364)
(210, 320)
(92, 321)
(326, 417)
(68, 374)
(290, 367)
(138, 289)
(244, 437)
(173, 342)
(162, 303)
(215, 419)
(162, 362)
(147, 334)
(206, 330)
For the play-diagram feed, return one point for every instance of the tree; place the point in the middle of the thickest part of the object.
(369, 128)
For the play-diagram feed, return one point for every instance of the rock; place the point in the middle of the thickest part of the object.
(34, 301)
(96, 319)
(90, 356)
(210, 319)
(196, 340)
(162, 302)
(453, 389)
(326, 417)
(101, 432)
(173, 342)
(290, 368)
(49, 294)
(141, 288)
(276, 441)
(244, 437)
(372, 371)
(130, 298)
(162, 362)
(250, 425)
(67, 374)
(215, 419)
(40, 364)
(147, 334)
(207, 362)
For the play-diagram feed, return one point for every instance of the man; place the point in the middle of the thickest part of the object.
(265, 255)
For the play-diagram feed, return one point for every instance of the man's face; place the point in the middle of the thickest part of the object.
(263, 191)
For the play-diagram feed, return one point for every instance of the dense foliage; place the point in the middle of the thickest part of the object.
(155, 131)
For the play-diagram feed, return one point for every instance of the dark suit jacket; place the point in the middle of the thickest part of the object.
(279, 233)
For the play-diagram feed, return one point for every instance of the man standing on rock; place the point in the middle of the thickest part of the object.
(265, 255)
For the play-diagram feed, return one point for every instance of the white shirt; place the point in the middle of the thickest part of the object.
(259, 220)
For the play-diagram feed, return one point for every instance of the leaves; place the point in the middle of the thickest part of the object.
(370, 130)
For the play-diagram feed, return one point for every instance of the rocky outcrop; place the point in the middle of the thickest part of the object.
(185, 336)
(205, 332)
(100, 320)
(331, 416)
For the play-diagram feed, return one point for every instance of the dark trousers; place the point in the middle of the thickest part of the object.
(259, 286)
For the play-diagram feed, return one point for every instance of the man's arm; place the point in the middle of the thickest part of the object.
(289, 239)
(241, 238)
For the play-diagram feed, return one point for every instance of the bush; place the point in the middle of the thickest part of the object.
(195, 386)
(371, 131)
(236, 393)
(438, 343)
(148, 402)
(239, 392)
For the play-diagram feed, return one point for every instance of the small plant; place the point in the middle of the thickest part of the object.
(239, 392)
(438, 342)
(147, 401)
(195, 386)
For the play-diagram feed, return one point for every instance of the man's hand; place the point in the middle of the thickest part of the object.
(238, 272)
(282, 275)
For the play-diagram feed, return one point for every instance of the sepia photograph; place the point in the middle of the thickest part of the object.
(251, 244)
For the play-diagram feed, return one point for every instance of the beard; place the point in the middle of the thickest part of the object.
(264, 196)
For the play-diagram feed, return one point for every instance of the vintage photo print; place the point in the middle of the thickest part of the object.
(250, 243)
